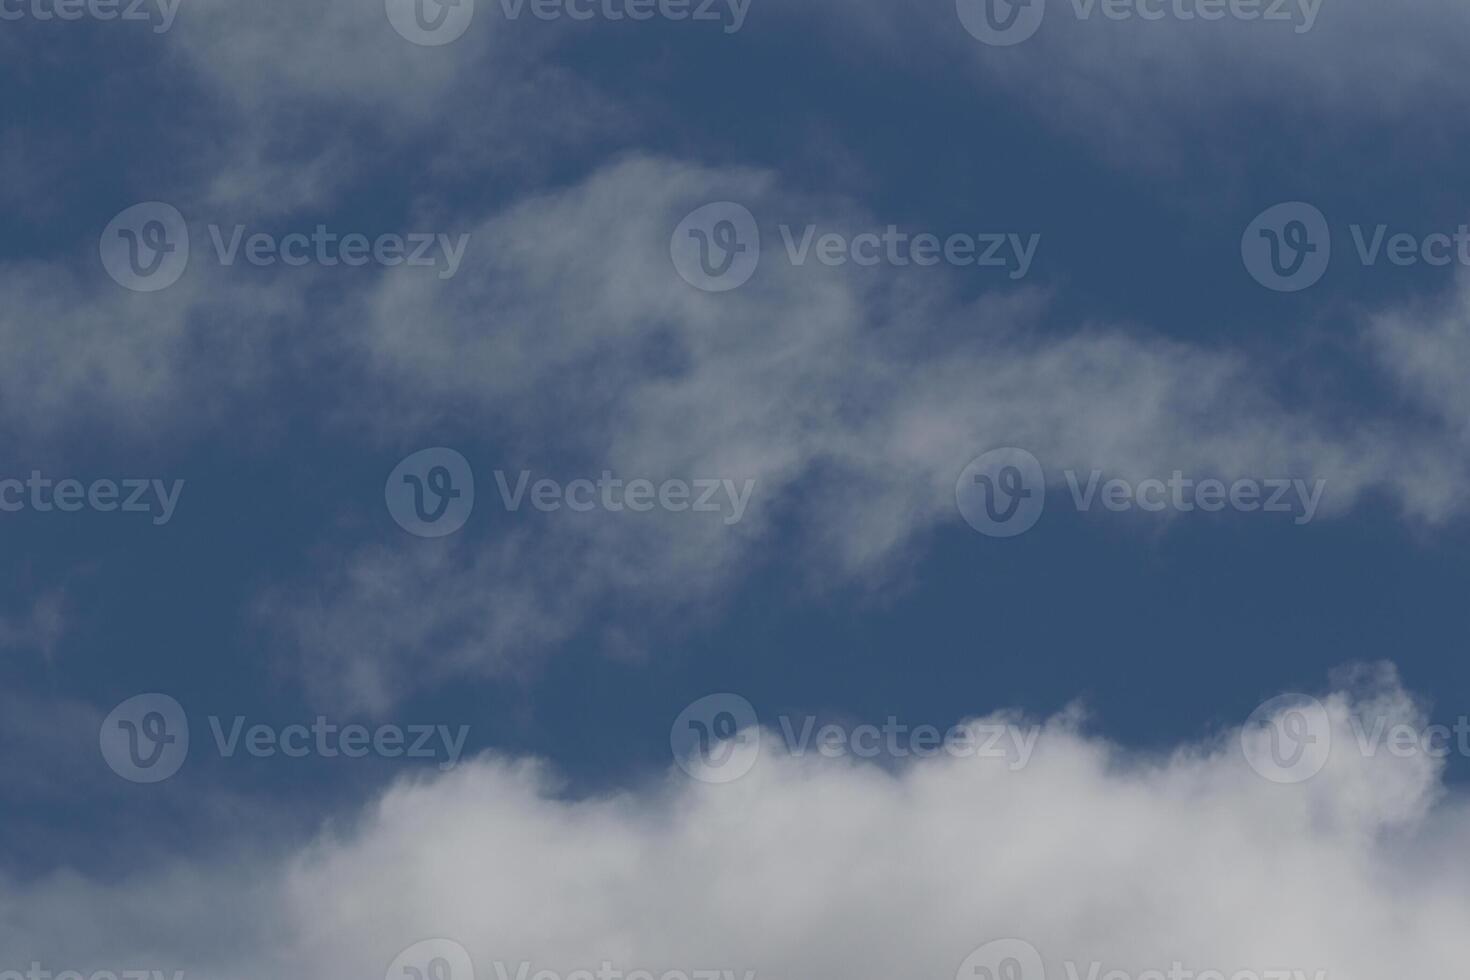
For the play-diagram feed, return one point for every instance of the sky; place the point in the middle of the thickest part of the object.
(734, 489)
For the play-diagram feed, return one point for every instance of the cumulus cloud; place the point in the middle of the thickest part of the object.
(851, 396)
(820, 867)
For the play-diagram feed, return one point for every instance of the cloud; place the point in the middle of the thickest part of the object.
(852, 396)
(1423, 348)
(315, 99)
(833, 868)
(1174, 95)
(41, 628)
(83, 350)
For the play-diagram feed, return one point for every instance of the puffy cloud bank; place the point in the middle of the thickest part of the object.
(828, 869)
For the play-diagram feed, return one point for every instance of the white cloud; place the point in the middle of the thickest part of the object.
(1164, 95)
(1425, 349)
(81, 349)
(830, 869)
(315, 96)
(852, 396)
